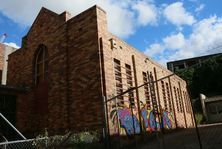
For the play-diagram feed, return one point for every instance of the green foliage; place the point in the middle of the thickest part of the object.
(187, 75)
(206, 79)
(84, 137)
(199, 118)
(78, 140)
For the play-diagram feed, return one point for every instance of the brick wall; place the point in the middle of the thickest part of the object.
(84, 79)
(81, 71)
(124, 53)
(48, 29)
(71, 98)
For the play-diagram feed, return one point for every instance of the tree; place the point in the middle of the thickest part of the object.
(206, 79)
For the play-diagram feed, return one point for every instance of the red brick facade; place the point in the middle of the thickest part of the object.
(80, 73)
(72, 93)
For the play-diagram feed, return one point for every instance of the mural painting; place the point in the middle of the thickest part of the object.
(167, 119)
(124, 118)
(127, 120)
(150, 121)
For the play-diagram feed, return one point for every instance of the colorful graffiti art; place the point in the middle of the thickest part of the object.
(166, 120)
(128, 121)
(124, 119)
(150, 122)
(144, 114)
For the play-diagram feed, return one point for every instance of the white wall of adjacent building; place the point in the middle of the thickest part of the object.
(5, 50)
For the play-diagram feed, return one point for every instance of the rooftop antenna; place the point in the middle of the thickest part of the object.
(2, 37)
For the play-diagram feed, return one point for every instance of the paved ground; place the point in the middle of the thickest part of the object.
(210, 135)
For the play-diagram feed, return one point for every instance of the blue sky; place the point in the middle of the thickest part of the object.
(165, 30)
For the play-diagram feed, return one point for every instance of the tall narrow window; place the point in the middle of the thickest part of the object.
(146, 90)
(186, 101)
(176, 98)
(41, 64)
(180, 100)
(153, 92)
(129, 81)
(169, 97)
(164, 96)
(118, 78)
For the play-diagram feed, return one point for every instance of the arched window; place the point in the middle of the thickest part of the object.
(41, 64)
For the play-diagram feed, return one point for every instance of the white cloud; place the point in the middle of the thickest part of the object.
(205, 37)
(147, 13)
(12, 44)
(199, 8)
(175, 41)
(154, 49)
(122, 21)
(177, 15)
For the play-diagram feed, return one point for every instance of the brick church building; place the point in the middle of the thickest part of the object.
(69, 65)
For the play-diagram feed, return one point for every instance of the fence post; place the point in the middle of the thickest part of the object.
(195, 122)
(137, 93)
(174, 109)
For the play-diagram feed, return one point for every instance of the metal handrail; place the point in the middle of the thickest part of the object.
(21, 141)
(12, 126)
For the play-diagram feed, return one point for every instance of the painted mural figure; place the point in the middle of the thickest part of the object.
(128, 121)
(149, 119)
(166, 120)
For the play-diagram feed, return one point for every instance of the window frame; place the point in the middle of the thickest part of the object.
(41, 71)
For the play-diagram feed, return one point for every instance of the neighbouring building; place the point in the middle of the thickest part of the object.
(5, 50)
(212, 108)
(71, 64)
(190, 62)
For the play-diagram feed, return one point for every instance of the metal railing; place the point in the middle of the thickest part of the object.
(10, 124)
(25, 144)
